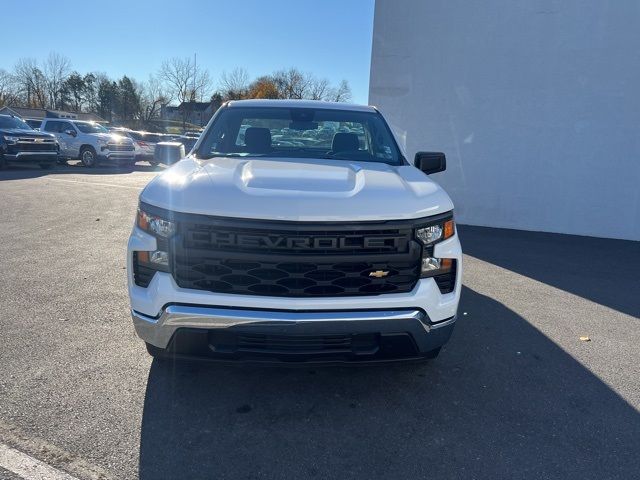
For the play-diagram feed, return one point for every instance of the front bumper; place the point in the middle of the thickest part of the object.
(31, 157)
(184, 320)
(117, 156)
(229, 334)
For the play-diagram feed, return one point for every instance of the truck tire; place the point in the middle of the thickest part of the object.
(88, 156)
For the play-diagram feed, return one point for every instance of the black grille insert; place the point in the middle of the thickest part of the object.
(447, 282)
(33, 147)
(142, 275)
(299, 260)
(120, 147)
(227, 342)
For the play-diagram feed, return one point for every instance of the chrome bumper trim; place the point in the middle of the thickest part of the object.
(53, 153)
(443, 323)
(159, 330)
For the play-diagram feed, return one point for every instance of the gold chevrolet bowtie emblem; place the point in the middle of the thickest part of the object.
(378, 273)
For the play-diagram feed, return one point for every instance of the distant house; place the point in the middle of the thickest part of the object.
(196, 113)
(39, 113)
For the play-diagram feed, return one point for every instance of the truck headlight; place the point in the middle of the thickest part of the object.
(147, 263)
(435, 233)
(428, 236)
(10, 138)
(155, 225)
(157, 260)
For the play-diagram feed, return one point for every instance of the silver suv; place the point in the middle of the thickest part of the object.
(89, 142)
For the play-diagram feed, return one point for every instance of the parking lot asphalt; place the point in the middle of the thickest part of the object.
(515, 394)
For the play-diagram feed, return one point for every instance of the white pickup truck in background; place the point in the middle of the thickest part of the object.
(89, 142)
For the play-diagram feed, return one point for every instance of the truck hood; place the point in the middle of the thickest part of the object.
(21, 132)
(112, 137)
(297, 190)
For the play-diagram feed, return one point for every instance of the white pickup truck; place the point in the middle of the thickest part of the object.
(90, 142)
(296, 231)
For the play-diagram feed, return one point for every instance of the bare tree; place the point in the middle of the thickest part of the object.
(56, 70)
(185, 80)
(234, 85)
(31, 82)
(340, 94)
(153, 96)
(292, 83)
(8, 91)
(318, 88)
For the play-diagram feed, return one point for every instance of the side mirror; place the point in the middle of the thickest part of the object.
(73, 133)
(168, 152)
(431, 162)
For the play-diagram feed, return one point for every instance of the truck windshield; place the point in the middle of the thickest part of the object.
(13, 122)
(300, 133)
(87, 127)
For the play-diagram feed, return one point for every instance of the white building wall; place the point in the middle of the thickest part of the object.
(535, 102)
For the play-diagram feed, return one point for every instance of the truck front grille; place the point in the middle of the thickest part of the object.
(120, 147)
(34, 145)
(294, 259)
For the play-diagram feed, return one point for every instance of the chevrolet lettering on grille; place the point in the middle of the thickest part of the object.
(270, 241)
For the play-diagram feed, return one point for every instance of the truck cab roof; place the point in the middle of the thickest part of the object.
(301, 104)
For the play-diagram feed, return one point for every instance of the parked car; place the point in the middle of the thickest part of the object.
(144, 142)
(336, 251)
(90, 142)
(20, 144)
(192, 133)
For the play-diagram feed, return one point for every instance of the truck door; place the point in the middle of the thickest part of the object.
(69, 136)
(54, 127)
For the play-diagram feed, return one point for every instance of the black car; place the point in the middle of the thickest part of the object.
(20, 144)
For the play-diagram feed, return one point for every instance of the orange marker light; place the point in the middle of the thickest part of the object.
(143, 257)
(449, 229)
(142, 220)
(446, 264)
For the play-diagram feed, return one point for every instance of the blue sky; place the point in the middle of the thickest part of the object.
(330, 38)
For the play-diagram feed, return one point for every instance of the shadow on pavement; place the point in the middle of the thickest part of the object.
(501, 401)
(602, 270)
(34, 171)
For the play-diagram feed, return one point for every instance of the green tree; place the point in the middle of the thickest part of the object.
(128, 99)
(107, 98)
(73, 91)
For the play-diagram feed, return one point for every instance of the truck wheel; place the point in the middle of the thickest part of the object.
(88, 157)
(46, 166)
